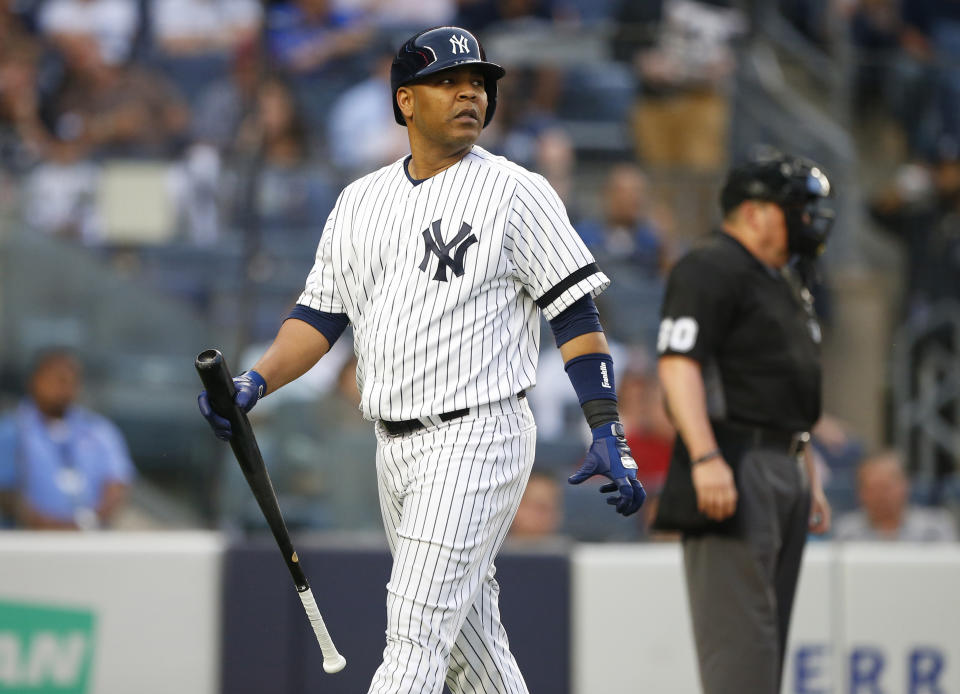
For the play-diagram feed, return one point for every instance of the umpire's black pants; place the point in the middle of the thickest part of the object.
(741, 589)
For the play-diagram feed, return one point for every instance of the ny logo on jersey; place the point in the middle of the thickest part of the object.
(459, 44)
(433, 243)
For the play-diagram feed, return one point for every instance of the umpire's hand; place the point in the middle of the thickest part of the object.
(610, 456)
(716, 489)
(250, 388)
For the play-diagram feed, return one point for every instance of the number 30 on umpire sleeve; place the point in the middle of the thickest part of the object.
(677, 334)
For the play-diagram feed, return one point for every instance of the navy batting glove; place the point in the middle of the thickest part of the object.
(250, 388)
(610, 456)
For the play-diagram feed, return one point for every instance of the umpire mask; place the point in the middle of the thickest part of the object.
(797, 185)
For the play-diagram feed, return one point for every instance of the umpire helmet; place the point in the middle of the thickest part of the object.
(797, 185)
(441, 48)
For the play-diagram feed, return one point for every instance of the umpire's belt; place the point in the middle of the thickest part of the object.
(789, 442)
(406, 426)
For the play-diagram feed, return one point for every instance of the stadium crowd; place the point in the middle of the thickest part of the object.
(197, 146)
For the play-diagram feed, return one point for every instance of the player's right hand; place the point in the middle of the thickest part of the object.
(715, 487)
(610, 456)
(250, 388)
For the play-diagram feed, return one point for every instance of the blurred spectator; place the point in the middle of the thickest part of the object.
(875, 29)
(922, 207)
(648, 430)
(113, 110)
(19, 110)
(60, 195)
(837, 451)
(407, 16)
(110, 24)
(540, 513)
(884, 492)
(527, 103)
(305, 35)
(61, 465)
(555, 159)
(222, 106)
(321, 46)
(540, 143)
(477, 15)
(362, 131)
(193, 40)
(293, 192)
(627, 230)
(680, 51)
(932, 37)
(192, 27)
(198, 186)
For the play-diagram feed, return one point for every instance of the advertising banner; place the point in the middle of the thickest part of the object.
(45, 650)
(878, 618)
(103, 613)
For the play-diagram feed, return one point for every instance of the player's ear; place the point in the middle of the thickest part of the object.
(405, 102)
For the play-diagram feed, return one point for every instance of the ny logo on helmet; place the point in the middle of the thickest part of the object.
(459, 44)
(433, 243)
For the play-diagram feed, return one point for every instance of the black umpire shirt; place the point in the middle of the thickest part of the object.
(753, 332)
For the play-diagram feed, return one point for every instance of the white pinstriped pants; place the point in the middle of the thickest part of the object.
(448, 495)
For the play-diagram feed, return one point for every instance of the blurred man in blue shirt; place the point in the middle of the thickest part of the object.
(61, 466)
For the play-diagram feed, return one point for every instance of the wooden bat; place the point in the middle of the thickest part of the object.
(216, 378)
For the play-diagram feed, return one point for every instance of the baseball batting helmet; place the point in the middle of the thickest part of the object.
(442, 48)
(797, 185)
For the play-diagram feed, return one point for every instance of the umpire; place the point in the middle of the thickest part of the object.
(739, 359)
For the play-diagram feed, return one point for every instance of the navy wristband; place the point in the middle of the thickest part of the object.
(592, 377)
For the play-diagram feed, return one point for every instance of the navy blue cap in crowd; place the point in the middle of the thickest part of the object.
(442, 48)
(798, 185)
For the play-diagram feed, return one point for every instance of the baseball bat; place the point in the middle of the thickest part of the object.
(216, 378)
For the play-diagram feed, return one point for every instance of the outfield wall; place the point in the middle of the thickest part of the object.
(193, 614)
(869, 619)
(124, 613)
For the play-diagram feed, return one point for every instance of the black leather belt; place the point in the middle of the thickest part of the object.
(406, 426)
(789, 442)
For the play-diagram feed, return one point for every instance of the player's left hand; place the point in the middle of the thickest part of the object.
(610, 456)
(249, 386)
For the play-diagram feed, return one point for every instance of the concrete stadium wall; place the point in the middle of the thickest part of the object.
(869, 619)
(189, 613)
(110, 613)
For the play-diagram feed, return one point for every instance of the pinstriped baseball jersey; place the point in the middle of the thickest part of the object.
(442, 280)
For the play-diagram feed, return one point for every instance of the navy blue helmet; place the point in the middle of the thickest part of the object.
(442, 48)
(797, 185)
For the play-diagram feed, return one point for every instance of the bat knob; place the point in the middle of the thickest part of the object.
(332, 665)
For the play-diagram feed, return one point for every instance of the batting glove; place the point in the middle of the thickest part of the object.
(610, 456)
(250, 388)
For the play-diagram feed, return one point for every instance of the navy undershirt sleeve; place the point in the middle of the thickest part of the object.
(580, 318)
(331, 325)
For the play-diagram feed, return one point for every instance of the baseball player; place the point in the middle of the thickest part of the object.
(442, 262)
(739, 349)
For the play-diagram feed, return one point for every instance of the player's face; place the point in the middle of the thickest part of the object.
(449, 106)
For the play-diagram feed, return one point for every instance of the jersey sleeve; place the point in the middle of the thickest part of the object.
(548, 255)
(320, 292)
(698, 305)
